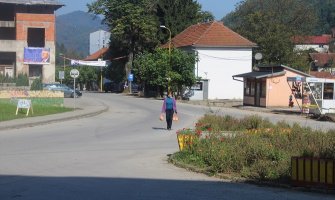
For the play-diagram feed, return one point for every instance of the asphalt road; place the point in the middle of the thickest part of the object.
(119, 154)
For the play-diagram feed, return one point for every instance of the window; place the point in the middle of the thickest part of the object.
(328, 91)
(247, 87)
(316, 89)
(36, 37)
(197, 86)
(263, 89)
(252, 88)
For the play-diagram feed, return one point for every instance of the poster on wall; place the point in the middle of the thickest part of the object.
(35, 55)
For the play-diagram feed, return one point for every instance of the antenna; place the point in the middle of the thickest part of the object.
(258, 56)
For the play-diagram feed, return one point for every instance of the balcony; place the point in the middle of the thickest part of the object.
(8, 45)
(7, 24)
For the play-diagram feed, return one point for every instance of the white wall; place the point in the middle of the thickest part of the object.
(316, 47)
(99, 40)
(219, 65)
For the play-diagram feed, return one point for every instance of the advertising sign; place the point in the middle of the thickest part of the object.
(35, 55)
(24, 103)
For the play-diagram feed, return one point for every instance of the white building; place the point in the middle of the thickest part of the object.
(222, 54)
(318, 43)
(98, 40)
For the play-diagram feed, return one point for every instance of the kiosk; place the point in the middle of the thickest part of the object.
(316, 94)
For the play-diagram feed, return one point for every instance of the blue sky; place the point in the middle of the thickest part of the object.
(219, 8)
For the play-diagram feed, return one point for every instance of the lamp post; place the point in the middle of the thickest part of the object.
(163, 26)
(310, 66)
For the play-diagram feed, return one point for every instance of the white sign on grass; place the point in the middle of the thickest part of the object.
(26, 104)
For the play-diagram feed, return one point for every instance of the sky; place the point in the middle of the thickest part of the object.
(219, 8)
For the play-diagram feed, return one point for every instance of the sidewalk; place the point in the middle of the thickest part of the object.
(85, 107)
(238, 104)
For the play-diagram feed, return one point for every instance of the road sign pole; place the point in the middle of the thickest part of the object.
(74, 94)
(74, 73)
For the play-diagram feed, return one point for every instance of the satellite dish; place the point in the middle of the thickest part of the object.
(258, 56)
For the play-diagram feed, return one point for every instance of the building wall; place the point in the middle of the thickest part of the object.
(46, 21)
(316, 47)
(278, 90)
(219, 65)
(99, 40)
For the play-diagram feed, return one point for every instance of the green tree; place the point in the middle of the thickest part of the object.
(133, 24)
(155, 69)
(272, 24)
(302, 61)
(325, 10)
(177, 15)
(37, 84)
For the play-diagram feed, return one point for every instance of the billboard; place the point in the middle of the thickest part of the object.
(35, 55)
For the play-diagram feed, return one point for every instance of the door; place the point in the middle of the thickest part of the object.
(258, 94)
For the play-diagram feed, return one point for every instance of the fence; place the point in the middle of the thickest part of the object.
(312, 172)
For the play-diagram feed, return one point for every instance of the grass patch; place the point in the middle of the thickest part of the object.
(252, 147)
(8, 110)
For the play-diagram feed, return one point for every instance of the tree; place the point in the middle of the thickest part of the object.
(271, 24)
(154, 69)
(325, 10)
(132, 23)
(180, 14)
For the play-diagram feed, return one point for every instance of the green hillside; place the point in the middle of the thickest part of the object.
(73, 30)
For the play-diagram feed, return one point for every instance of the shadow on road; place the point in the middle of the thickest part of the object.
(159, 128)
(82, 188)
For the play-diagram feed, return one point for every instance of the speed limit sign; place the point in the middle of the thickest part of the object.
(74, 73)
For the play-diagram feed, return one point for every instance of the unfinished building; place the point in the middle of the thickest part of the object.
(27, 38)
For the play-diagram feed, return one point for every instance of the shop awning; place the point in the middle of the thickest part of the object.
(259, 75)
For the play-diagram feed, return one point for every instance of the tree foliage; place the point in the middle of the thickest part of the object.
(132, 23)
(134, 26)
(325, 11)
(271, 24)
(156, 68)
(180, 14)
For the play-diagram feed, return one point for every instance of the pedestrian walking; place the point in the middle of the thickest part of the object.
(170, 108)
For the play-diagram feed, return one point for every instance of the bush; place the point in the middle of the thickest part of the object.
(22, 80)
(259, 149)
(37, 84)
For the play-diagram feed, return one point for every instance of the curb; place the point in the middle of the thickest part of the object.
(57, 119)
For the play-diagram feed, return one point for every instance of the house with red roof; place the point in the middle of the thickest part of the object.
(222, 53)
(323, 61)
(319, 43)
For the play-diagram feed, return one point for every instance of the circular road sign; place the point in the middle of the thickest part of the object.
(74, 73)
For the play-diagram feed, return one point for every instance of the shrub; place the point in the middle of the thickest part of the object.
(22, 80)
(259, 149)
(37, 84)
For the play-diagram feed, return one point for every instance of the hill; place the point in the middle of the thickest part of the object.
(73, 30)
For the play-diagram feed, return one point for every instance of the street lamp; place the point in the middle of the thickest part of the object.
(163, 26)
(310, 66)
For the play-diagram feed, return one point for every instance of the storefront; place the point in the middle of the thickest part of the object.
(317, 94)
(267, 86)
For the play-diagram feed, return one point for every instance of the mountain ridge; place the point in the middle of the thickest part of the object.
(73, 30)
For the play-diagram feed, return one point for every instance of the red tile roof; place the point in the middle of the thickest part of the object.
(322, 58)
(99, 54)
(321, 39)
(210, 34)
(327, 75)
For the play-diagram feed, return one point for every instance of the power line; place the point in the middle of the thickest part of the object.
(227, 58)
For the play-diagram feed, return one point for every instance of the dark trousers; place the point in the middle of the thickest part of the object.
(169, 116)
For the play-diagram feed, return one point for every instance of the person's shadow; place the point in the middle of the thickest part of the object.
(158, 128)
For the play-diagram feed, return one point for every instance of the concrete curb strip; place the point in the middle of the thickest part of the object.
(82, 112)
